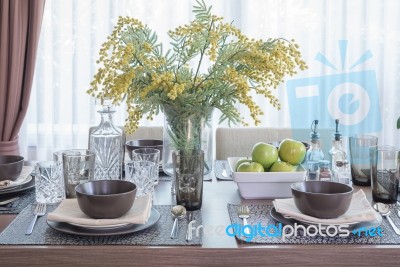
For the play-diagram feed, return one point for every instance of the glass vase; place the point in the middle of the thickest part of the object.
(186, 131)
(107, 142)
(188, 173)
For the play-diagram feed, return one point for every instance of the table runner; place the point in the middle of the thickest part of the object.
(158, 235)
(218, 167)
(261, 214)
(26, 197)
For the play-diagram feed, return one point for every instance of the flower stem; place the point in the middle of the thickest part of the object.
(202, 53)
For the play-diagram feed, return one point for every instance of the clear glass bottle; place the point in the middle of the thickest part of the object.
(314, 154)
(106, 141)
(336, 154)
(342, 172)
(324, 173)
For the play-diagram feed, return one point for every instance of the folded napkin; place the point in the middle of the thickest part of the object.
(360, 210)
(24, 177)
(68, 211)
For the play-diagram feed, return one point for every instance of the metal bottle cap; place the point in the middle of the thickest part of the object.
(337, 135)
(314, 135)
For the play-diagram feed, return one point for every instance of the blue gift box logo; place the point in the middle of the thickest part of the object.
(351, 97)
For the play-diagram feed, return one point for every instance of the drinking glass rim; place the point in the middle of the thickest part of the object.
(385, 148)
(88, 152)
(363, 136)
(48, 164)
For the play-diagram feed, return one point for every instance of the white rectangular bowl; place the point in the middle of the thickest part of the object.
(265, 185)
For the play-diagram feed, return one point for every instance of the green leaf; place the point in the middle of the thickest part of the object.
(398, 123)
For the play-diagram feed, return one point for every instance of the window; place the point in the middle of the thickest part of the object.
(351, 49)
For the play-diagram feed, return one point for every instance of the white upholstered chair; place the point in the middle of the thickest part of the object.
(146, 132)
(235, 142)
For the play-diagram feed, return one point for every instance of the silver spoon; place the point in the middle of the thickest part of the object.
(178, 212)
(224, 173)
(384, 210)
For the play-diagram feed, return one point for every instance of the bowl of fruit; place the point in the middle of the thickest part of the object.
(270, 170)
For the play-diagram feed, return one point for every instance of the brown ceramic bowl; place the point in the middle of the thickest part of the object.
(144, 143)
(10, 167)
(105, 199)
(323, 200)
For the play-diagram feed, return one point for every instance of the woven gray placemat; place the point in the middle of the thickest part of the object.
(25, 198)
(260, 214)
(218, 167)
(157, 235)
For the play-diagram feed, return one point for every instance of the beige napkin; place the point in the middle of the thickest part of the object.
(24, 177)
(69, 211)
(360, 210)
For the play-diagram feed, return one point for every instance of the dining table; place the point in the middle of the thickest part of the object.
(216, 249)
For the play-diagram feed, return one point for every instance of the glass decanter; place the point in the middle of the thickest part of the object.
(106, 141)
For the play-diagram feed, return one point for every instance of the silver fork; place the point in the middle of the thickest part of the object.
(244, 213)
(40, 210)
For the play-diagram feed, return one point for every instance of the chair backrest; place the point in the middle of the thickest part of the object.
(238, 142)
(146, 132)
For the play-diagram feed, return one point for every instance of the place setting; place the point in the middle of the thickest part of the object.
(96, 212)
(327, 204)
(14, 176)
(50, 230)
(309, 217)
(305, 210)
(16, 184)
(73, 208)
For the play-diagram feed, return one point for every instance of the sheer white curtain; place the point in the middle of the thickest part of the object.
(61, 112)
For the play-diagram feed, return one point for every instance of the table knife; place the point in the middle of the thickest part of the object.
(189, 233)
(398, 209)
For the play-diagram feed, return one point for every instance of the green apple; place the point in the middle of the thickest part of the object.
(240, 161)
(292, 151)
(281, 166)
(265, 154)
(250, 167)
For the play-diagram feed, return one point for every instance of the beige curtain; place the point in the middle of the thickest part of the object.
(20, 22)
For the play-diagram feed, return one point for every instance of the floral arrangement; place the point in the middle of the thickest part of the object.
(135, 69)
